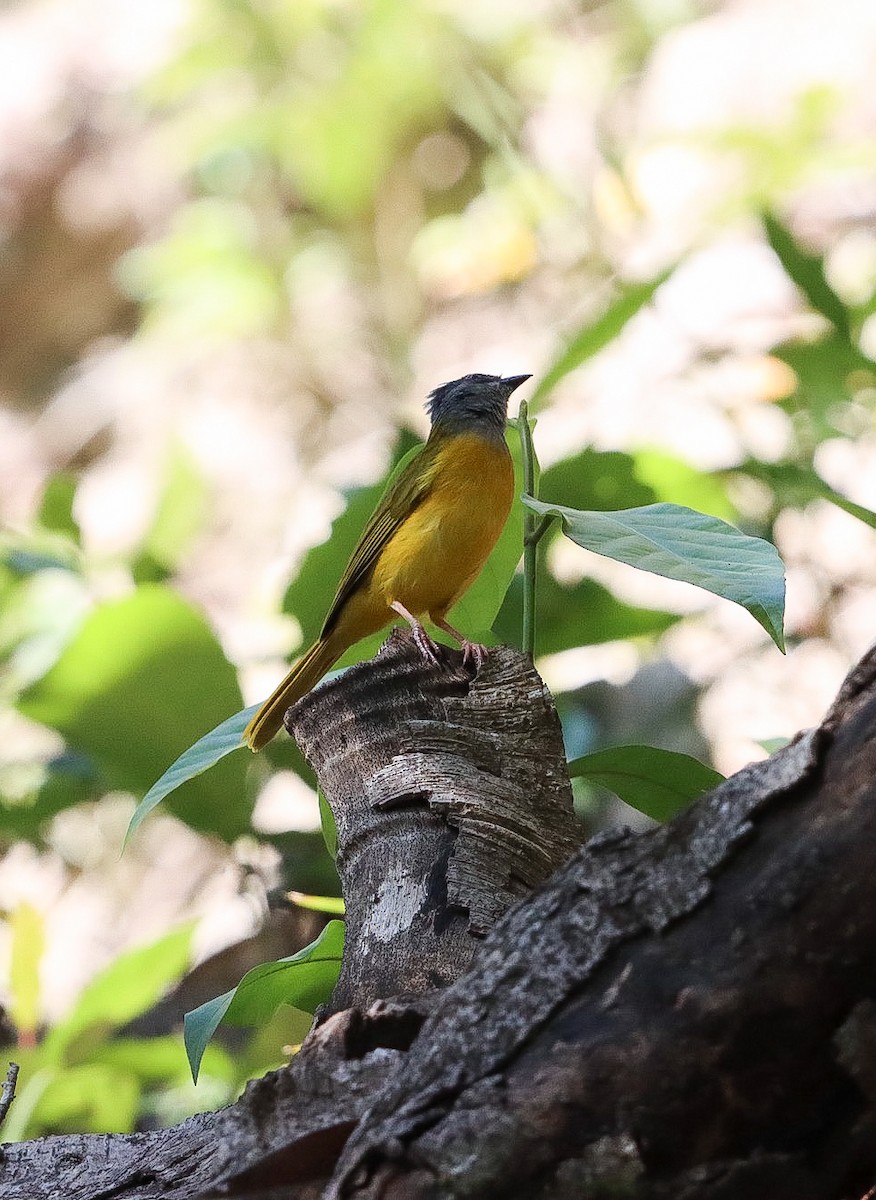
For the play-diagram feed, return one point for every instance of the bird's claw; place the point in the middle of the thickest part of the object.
(474, 652)
(425, 645)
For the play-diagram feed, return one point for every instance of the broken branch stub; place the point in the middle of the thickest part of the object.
(451, 800)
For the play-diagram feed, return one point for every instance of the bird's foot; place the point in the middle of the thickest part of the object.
(473, 652)
(422, 641)
(427, 647)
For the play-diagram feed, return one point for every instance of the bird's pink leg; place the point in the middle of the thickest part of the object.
(424, 643)
(471, 651)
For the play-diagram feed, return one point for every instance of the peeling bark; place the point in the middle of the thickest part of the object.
(451, 802)
(679, 993)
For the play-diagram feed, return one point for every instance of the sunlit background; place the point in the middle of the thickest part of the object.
(240, 240)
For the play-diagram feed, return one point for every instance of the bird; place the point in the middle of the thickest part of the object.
(425, 543)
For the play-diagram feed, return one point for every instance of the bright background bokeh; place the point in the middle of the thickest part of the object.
(240, 240)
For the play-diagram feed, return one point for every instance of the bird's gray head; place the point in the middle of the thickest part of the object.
(476, 403)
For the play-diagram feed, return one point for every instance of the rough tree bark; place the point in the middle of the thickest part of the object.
(686, 1013)
(451, 802)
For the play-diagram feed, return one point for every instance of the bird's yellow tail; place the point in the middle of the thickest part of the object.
(306, 673)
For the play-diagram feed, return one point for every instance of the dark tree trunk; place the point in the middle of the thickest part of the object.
(688, 1013)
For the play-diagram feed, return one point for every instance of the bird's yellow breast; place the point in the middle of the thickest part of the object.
(441, 546)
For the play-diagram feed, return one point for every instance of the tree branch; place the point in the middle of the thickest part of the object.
(688, 1014)
(684, 1013)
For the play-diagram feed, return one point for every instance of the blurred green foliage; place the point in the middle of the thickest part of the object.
(117, 694)
(84, 1074)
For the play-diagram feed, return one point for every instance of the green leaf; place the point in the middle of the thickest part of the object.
(325, 904)
(199, 1026)
(678, 543)
(126, 988)
(594, 336)
(341, 134)
(205, 278)
(328, 825)
(659, 783)
(138, 682)
(579, 614)
(304, 980)
(27, 927)
(56, 506)
(610, 479)
(205, 753)
(807, 271)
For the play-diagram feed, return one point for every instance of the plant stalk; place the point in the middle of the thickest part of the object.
(530, 539)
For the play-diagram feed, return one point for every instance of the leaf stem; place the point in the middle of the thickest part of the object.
(531, 531)
(539, 530)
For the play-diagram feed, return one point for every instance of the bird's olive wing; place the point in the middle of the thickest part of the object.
(401, 498)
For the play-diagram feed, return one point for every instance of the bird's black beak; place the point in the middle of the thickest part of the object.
(514, 381)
